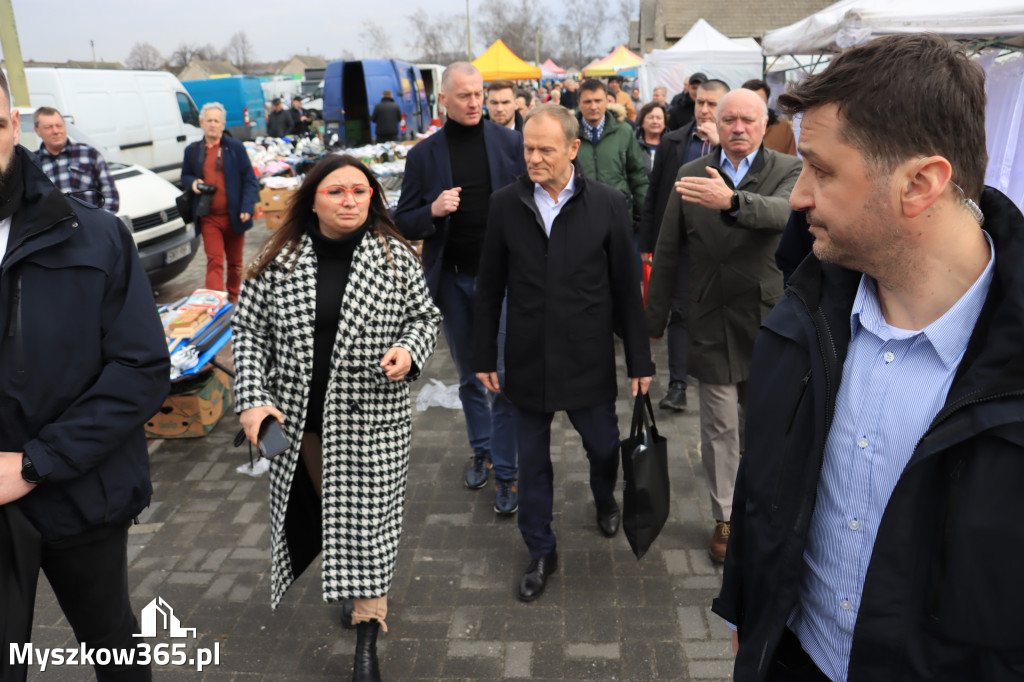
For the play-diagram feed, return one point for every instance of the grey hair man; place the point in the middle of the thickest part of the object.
(449, 179)
(729, 207)
(561, 244)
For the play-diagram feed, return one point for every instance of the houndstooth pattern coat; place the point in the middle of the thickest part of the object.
(366, 425)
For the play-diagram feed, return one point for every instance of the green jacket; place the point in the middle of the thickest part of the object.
(616, 160)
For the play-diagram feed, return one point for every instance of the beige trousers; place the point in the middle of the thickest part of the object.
(720, 408)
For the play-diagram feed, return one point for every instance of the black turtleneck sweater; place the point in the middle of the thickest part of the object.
(333, 263)
(470, 172)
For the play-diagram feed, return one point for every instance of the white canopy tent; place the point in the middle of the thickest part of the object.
(852, 22)
(733, 60)
(1000, 22)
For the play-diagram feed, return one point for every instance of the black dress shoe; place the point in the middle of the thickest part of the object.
(608, 516)
(536, 576)
(675, 399)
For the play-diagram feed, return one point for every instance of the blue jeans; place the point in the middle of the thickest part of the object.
(599, 429)
(490, 423)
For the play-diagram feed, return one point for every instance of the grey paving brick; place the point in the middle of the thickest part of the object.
(588, 650)
(691, 622)
(721, 670)
(517, 659)
(475, 649)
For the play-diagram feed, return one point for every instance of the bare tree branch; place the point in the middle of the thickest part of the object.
(518, 24)
(377, 40)
(584, 24)
(441, 39)
(240, 51)
(145, 57)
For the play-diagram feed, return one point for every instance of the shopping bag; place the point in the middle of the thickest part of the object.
(646, 276)
(645, 503)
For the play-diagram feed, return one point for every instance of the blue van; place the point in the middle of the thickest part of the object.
(242, 97)
(352, 88)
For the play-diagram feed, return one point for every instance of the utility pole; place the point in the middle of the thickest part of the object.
(92, 44)
(469, 41)
(12, 56)
(536, 47)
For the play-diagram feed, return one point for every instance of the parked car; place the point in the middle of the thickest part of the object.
(145, 117)
(166, 244)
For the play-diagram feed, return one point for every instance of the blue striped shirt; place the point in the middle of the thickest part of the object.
(894, 383)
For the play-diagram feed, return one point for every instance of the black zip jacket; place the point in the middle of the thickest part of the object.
(83, 360)
(942, 597)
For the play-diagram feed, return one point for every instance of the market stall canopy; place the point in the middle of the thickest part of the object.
(852, 22)
(703, 48)
(620, 59)
(549, 68)
(500, 62)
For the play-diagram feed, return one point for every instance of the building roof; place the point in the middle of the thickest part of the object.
(315, 62)
(200, 68)
(737, 19)
(663, 22)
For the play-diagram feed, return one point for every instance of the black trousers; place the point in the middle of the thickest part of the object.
(599, 429)
(792, 664)
(89, 575)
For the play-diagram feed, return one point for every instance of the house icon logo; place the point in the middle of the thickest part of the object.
(158, 615)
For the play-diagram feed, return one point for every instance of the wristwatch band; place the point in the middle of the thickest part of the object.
(28, 471)
(735, 205)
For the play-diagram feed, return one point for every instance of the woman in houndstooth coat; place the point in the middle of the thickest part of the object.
(333, 322)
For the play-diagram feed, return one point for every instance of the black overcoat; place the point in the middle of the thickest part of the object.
(567, 296)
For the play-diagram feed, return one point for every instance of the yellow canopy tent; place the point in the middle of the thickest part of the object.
(500, 62)
(620, 57)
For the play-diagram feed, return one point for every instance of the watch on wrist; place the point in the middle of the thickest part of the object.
(735, 204)
(28, 471)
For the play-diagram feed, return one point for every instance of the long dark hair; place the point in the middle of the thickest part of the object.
(299, 211)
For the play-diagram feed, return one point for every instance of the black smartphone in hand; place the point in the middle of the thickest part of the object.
(272, 441)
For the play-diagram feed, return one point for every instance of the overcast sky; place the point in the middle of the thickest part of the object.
(59, 30)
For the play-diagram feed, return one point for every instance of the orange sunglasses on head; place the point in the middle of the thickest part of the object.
(336, 193)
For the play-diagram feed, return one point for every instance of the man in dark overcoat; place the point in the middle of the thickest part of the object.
(729, 208)
(562, 246)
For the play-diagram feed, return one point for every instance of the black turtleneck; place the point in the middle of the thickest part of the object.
(333, 263)
(470, 171)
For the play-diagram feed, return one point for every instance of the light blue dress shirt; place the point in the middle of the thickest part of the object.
(737, 174)
(894, 383)
(550, 208)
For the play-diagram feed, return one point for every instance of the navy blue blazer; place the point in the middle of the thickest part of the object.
(428, 172)
(239, 178)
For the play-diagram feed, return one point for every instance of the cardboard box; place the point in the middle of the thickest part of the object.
(194, 407)
(275, 199)
(275, 219)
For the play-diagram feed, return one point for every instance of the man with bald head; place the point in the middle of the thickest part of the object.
(728, 210)
(449, 178)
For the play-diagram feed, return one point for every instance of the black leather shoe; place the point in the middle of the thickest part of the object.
(536, 576)
(365, 667)
(608, 516)
(675, 399)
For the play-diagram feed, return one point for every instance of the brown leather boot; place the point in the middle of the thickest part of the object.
(719, 542)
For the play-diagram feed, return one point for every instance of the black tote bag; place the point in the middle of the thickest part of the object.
(645, 470)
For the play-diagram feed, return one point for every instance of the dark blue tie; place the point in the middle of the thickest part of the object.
(593, 136)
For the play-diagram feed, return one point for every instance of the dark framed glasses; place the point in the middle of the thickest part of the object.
(336, 193)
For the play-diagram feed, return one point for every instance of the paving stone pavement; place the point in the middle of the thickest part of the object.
(202, 546)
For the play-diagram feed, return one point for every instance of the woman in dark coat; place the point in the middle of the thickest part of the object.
(333, 323)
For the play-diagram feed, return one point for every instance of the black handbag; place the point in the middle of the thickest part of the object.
(186, 205)
(645, 502)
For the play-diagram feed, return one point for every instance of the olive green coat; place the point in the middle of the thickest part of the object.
(733, 280)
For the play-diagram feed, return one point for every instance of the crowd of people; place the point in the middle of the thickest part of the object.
(860, 414)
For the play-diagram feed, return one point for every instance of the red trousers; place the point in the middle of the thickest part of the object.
(220, 240)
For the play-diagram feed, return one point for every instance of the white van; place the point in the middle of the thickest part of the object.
(144, 117)
(166, 244)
